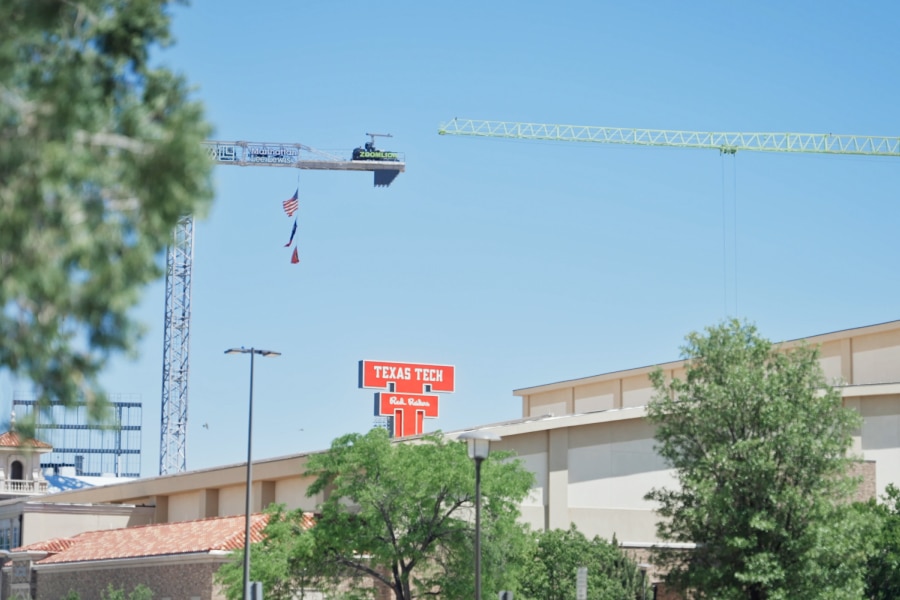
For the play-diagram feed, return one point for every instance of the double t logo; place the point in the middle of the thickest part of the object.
(409, 397)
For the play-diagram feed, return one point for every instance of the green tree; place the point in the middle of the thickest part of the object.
(399, 514)
(555, 557)
(883, 567)
(101, 155)
(281, 561)
(140, 592)
(505, 544)
(760, 446)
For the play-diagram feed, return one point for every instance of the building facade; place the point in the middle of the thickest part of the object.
(174, 560)
(592, 449)
(586, 440)
(83, 447)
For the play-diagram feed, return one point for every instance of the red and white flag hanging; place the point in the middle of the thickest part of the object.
(292, 204)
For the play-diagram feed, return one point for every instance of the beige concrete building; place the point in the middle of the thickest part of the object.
(586, 440)
(593, 451)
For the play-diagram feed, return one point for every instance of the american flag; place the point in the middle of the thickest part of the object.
(291, 204)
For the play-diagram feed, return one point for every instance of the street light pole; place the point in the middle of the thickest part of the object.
(252, 352)
(644, 567)
(479, 445)
(478, 462)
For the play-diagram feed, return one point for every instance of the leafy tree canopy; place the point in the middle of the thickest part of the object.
(555, 556)
(101, 155)
(140, 592)
(280, 561)
(883, 567)
(397, 513)
(393, 507)
(759, 443)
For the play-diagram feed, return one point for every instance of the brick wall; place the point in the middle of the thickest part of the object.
(866, 471)
(185, 581)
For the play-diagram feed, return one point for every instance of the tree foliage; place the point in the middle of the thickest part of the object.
(140, 592)
(504, 545)
(883, 566)
(101, 155)
(555, 556)
(759, 443)
(396, 513)
(280, 561)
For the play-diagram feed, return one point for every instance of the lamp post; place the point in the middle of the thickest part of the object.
(644, 567)
(479, 443)
(252, 352)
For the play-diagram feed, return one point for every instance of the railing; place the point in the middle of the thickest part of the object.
(23, 486)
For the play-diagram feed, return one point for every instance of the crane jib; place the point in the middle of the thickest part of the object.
(300, 156)
(728, 142)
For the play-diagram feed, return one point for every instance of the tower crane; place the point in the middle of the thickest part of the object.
(726, 142)
(374, 135)
(179, 265)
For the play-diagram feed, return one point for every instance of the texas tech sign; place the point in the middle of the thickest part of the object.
(409, 395)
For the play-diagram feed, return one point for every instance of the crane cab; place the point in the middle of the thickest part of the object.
(370, 152)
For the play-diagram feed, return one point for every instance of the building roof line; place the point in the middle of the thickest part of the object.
(677, 364)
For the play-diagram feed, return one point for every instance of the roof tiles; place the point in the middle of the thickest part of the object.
(203, 536)
(10, 439)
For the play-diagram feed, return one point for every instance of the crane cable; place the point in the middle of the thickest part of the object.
(735, 233)
(734, 225)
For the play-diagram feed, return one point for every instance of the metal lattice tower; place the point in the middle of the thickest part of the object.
(176, 346)
(179, 265)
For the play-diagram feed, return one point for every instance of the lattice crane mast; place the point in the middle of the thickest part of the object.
(726, 142)
(385, 166)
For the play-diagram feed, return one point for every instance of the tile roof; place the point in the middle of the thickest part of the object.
(203, 536)
(54, 545)
(10, 439)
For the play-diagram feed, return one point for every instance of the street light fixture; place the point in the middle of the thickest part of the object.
(644, 567)
(252, 352)
(479, 443)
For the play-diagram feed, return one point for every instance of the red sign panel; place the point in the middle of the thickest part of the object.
(409, 411)
(406, 377)
(408, 399)
(389, 403)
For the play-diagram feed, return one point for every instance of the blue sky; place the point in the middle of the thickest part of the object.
(521, 263)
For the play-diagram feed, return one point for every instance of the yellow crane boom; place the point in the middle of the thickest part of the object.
(726, 142)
